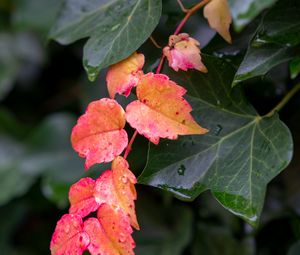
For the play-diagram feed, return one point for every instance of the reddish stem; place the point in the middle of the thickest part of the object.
(129, 146)
(189, 13)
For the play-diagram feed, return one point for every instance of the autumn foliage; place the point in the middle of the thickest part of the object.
(160, 111)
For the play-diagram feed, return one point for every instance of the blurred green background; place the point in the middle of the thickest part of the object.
(43, 89)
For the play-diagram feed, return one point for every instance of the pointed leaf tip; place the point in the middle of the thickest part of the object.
(123, 76)
(218, 14)
(161, 111)
(99, 135)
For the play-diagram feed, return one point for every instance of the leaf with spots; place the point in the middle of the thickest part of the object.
(123, 76)
(99, 135)
(69, 236)
(236, 160)
(218, 14)
(161, 111)
(81, 196)
(116, 188)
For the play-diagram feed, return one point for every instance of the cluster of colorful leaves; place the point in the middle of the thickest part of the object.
(99, 136)
(160, 111)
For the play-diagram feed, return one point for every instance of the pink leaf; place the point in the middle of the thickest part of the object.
(161, 111)
(123, 76)
(117, 226)
(69, 237)
(99, 241)
(99, 135)
(81, 196)
(183, 53)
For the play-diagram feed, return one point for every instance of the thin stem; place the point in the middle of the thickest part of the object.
(182, 6)
(284, 101)
(155, 42)
(189, 13)
(161, 63)
(129, 146)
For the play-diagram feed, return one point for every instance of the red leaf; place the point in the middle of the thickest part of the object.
(116, 188)
(69, 237)
(99, 135)
(123, 76)
(99, 241)
(161, 110)
(81, 196)
(117, 226)
(124, 181)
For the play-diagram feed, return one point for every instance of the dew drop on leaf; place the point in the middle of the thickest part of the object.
(181, 170)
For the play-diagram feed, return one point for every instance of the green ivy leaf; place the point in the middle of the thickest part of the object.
(295, 67)
(115, 28)
(235, 160)
(243, 12)
(277, 40)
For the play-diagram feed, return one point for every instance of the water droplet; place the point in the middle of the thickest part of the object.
(67, 228)
(181, 170)
(217, 130)
(111, 104)
(122, 238)
(218, 102)
(124, 179)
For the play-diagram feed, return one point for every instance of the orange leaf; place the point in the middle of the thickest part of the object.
(183, 53)
(124, 180)
(117, 227)
(116, 188)
(123, 76)
(99, 241)
(69, 237)
(81, 196)
(161, 111)
(99, 135)
(217, 13)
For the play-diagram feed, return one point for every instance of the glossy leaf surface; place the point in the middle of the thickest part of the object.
(277, 40)
(243, 12)
(161, 111)
(99, 135)
(115, 28)
(240, 155)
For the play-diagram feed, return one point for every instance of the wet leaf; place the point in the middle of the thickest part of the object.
(99, 135)
(243, 12)
(277, 40)
(161, 111)
(236, 160)
(115, 29)
(69, 237)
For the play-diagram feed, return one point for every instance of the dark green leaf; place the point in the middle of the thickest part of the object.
(295, 67)
(235, 160)
(276, 41)
(243, 12)
(115, 28)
